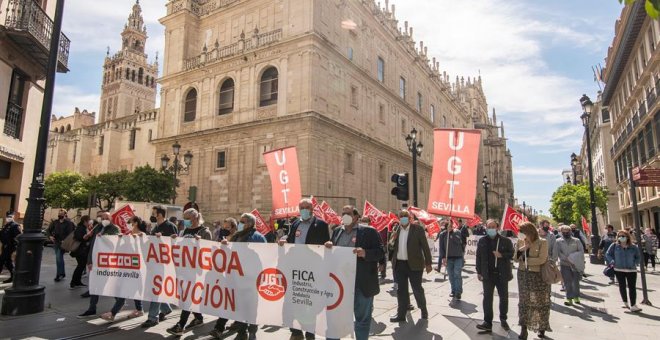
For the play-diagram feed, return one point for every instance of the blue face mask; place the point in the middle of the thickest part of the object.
(404, 221)
(305, 214)
(187, 223)
(240, 226)
(491, 232)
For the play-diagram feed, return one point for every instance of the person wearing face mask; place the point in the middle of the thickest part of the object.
(534, 303)
(570, 252)
(107, 228)
(452, 252)
(650, 244)
(604, 245)
(91, 233)
(369, 250)
(548, 236)
(411, 255)
(493, 263)
(625, 257)
(307, 230)
(228, 229)
(10, 230)
(193, 225)
(81, 253)
(58, 230)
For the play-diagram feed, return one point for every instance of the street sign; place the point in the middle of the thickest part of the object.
(648, 183)
(646, 177)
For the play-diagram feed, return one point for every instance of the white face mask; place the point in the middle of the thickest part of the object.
(346, 220)
(105, 223)
(9, 220)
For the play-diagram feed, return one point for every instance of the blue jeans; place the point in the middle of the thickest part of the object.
(155, 308)
(362, 309)
(454, 268)
(59, 259)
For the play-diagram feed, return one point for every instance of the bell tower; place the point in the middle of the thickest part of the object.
(129, 80)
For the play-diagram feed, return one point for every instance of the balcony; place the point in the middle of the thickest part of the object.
(28, 25)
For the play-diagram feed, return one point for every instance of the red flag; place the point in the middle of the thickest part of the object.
(317, 211)
(512, 219)
(454, 223)
(474, 221)
(261, 225)
(330, 215)
(585, 226)
(393, 218)
(379, 219)
(454, 180)
(422, 215)
(120, 218)
(433, 228)
(285, 181)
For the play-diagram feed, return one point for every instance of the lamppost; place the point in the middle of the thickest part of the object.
(574, 162)
(524, 208)
(416, 149)
(26, 295)
(587, 106)
(485, 183)
(176, 165)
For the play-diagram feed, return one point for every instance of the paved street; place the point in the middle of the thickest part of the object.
(600, 317)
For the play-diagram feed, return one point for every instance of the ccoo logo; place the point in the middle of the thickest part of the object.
(271, 284)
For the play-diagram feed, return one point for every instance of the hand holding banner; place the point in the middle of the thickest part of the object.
(285, 179)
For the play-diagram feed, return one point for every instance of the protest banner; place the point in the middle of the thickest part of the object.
(512, 219)
(454, 179)
(285, 180)
(121, 217)
(471, 246)
(379, 219)
(585, 226)
(304, 287)
(330, 215)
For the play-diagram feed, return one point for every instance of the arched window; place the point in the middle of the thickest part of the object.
(140, 75)
(226, 103)
(432, 113)
(68, 127)
(61, 129)
(133, 75)
(268, 87)
(128, 74)
(190, 107)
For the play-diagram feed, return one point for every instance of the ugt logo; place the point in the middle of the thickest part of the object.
(118, 261)
(271, 284)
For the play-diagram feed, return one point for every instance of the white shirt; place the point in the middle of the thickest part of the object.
(402, 253)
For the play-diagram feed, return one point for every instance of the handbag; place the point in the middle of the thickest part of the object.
(70, 243)
(549, 272)
(609, 270)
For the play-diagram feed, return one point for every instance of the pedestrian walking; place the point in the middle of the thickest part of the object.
(493, 263)
(193, 227)
(411, 255)
(534, 304)
(245, 233)
(8, 234)
(57, 231)
(625, 257)
(650, 243)
(604, 245)
(369, 251)
(82, 252)
(571, 263)
(550, 238)
(451, 245)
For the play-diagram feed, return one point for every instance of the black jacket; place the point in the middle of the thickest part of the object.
(486, 259)
(60, 230)
(8, 234)
(166, 228)
(456, 244)
(317, 234)
(79, 235)
(366, 275)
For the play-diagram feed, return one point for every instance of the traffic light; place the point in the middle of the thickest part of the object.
(401, 190)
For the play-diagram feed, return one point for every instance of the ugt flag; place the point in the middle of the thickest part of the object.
(285, 179)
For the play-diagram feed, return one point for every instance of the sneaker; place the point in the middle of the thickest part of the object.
(216, 333)
(108, 316)
(85, 294)
(137, 313)
(161, 315)
(252, 336)
(57, 278)
(505, 326)
(485, 327)
(175, 330)
(625, 305)
(149, 324)
(457, 296)
(241, 336)
(194, 323)
(577, 300)
(568, 302)
(635, 309)
(87, 314)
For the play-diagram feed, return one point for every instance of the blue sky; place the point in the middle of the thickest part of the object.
(535, 60)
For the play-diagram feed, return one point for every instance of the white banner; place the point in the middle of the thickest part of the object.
(470, 247)
(299, 286)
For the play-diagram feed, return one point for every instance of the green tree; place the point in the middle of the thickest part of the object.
(652, 6)
(146, 184)
(570, 202)
(108, 187)
(65, 190)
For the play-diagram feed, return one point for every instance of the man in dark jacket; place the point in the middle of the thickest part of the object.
(58, 230)
(10, 230)
(452, 252)
(411, 255)
(369, 250)
(306, 230)
(494, 254)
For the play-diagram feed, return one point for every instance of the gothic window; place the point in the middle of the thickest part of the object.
(268, 87)
(140, 75)
(381, 70)
(190, 107)
(226, 98)
(15, 109)
(68, 127)
(133, 75)
(131, 141)
(432, 113)
(402, 88)
(61, 129)
(128, 74)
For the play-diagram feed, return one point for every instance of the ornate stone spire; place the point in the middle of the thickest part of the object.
(135, 20)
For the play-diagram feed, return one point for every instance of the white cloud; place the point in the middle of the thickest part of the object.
(535, 171)
(70, 97)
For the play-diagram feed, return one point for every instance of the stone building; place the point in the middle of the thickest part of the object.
(25, 33)
(340, 80)
(630, 95)
(121, 139)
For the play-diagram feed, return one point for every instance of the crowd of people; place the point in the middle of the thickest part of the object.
(537, 253)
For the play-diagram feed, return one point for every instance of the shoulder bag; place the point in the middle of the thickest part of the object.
(549, 271)
(70, 243)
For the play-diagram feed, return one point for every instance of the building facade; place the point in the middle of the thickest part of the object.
(25, 27)
(632, 85)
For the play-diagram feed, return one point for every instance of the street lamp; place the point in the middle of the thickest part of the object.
(574, 163)
(416, 149)
(26, 295)
(485, 183)
(524, 207)
(176, 167)
(587, 107)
